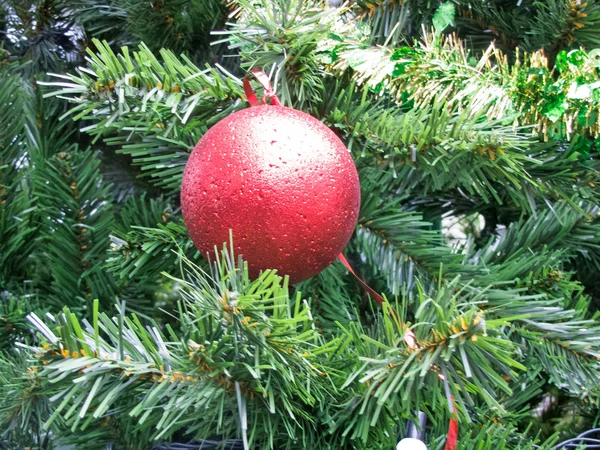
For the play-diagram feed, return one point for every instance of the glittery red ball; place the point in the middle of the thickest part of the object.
(284, 184)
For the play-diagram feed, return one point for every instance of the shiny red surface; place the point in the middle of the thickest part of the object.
(282, 181)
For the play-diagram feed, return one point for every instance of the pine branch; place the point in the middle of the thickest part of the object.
(131, 89)
(183, 27)
(451, 151)
(241, 348)
(453, 338)
(481, 24)
(146, 241)
(564, 24)
(173, 24)
(488, 435)
(565, 229)
(393, 23)
(436, 150)
(17, 203)
(552, 315)
(103, 20)
(567, 169)
(17, 230)
(283, 36)
(14, 308)
(78, 219)
(401, 245)
(555, 331)
(24, 406)
(552, 26)
(115, 367)
(541, 299)
(154, 111)
(142, 254)
(14, 96)
(557, 99)
(144, 212)
(160, 159)
(239, 356)
(40, 34)
(333, 297)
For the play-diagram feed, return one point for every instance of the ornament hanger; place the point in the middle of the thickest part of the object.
(263, 79)
(409, 337)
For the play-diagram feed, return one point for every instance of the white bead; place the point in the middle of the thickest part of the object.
(411, 444)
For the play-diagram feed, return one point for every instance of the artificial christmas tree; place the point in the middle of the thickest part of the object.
(473, 127)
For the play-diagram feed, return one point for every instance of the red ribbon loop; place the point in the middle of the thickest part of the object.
(263, 79)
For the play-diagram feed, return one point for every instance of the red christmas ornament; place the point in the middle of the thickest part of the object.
(282, 181)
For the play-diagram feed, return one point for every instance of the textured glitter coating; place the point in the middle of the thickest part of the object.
(282, 181)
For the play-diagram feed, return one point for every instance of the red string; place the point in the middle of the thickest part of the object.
(452, 437)
(263, 79)
(409, 336)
